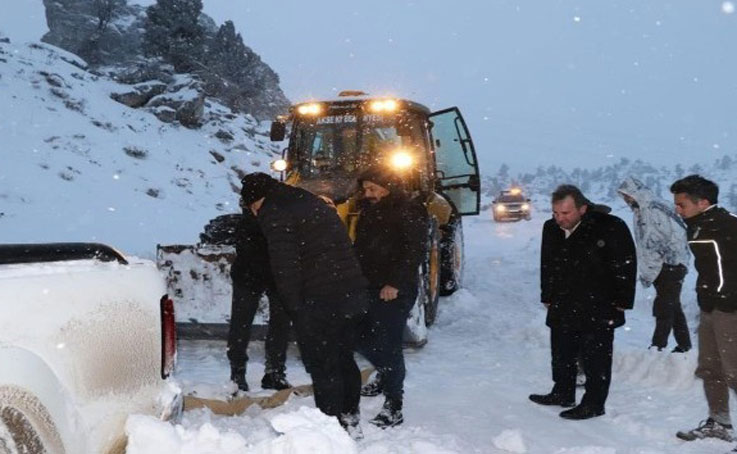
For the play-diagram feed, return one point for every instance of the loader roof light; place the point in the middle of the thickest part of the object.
(309, 109)
(401, 160)
(280, 165)
(383, 106)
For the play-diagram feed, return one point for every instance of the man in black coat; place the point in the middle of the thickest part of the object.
(252, 278)
(320, 283)
(587, 275)
(391, 238)
(712, 237)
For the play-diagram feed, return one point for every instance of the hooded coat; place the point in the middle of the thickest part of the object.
(660, 233)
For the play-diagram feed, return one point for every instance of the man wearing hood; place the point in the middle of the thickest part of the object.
(662, 256)
(319, 281)
(390, 242)
(587, 275)
(712, 237)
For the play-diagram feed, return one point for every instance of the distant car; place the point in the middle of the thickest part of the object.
(511, 205)
(86, 338)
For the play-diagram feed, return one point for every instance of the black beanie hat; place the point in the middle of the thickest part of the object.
(383, 177)
(255, 186)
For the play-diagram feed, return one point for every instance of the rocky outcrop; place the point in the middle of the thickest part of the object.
(108, 35)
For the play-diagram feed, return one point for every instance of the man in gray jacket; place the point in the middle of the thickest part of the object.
(662, 257)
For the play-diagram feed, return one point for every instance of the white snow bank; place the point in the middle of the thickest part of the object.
(302, 431)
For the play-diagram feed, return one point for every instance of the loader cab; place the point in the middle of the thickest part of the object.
(332, 142)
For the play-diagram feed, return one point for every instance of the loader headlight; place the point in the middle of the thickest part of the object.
(280, 165)
(401, 160)
(309, 109)
(383, 106)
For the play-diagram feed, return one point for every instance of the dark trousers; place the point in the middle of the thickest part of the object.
(244, 306)
(667, 308)
(381, 340)
(326, 341)
(596, 348)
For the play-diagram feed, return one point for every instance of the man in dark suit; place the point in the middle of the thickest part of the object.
(587, 276)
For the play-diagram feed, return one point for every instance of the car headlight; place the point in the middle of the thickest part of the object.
(501, 208)
(525, 207)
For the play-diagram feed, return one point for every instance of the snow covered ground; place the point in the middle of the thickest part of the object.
(466, 390)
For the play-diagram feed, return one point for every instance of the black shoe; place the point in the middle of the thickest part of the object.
(238, 376)
(582, 412)
(349, 422)
(660, 349)
(373, 388)
(552, 399)
(275, 380)
(390, 414)
(679, 349)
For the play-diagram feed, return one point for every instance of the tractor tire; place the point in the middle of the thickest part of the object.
(425, 308)
(221, 230)
(451, 257)
(25, 424)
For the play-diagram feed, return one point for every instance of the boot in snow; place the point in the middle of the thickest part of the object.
(390, 414)
(238, 376)
(349, 422)
(275, 380)
(373, 388)
(708, 429)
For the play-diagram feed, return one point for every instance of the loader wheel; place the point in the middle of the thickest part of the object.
(415, 332)
(451, 255)
(25, 424)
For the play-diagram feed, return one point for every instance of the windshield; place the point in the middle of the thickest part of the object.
(346, 144)
(509, 198)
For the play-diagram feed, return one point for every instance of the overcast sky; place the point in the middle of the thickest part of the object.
(540, 82)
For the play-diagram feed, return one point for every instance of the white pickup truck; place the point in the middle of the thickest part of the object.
(87, 337)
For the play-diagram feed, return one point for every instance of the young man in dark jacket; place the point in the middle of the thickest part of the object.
(390, 242)
(320, 283)
(587, 276)
(252, 278)
(712, 237)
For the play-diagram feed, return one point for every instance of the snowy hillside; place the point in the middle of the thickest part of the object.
(79, 166)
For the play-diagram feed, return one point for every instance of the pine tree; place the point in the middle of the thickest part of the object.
(172, 32)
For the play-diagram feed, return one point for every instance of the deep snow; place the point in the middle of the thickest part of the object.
(466, 390)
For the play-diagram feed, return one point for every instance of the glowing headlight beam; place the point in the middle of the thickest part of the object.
(280, 165)
(385, 105)
(309, 109)
(401, 160)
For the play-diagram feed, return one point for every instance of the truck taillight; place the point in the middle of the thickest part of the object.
(168, 336)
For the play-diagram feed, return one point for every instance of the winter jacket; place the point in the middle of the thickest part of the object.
(587, 277)
(311, 255)
(251, 265)
(391, 241)
(660, 233)
(712, 236)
